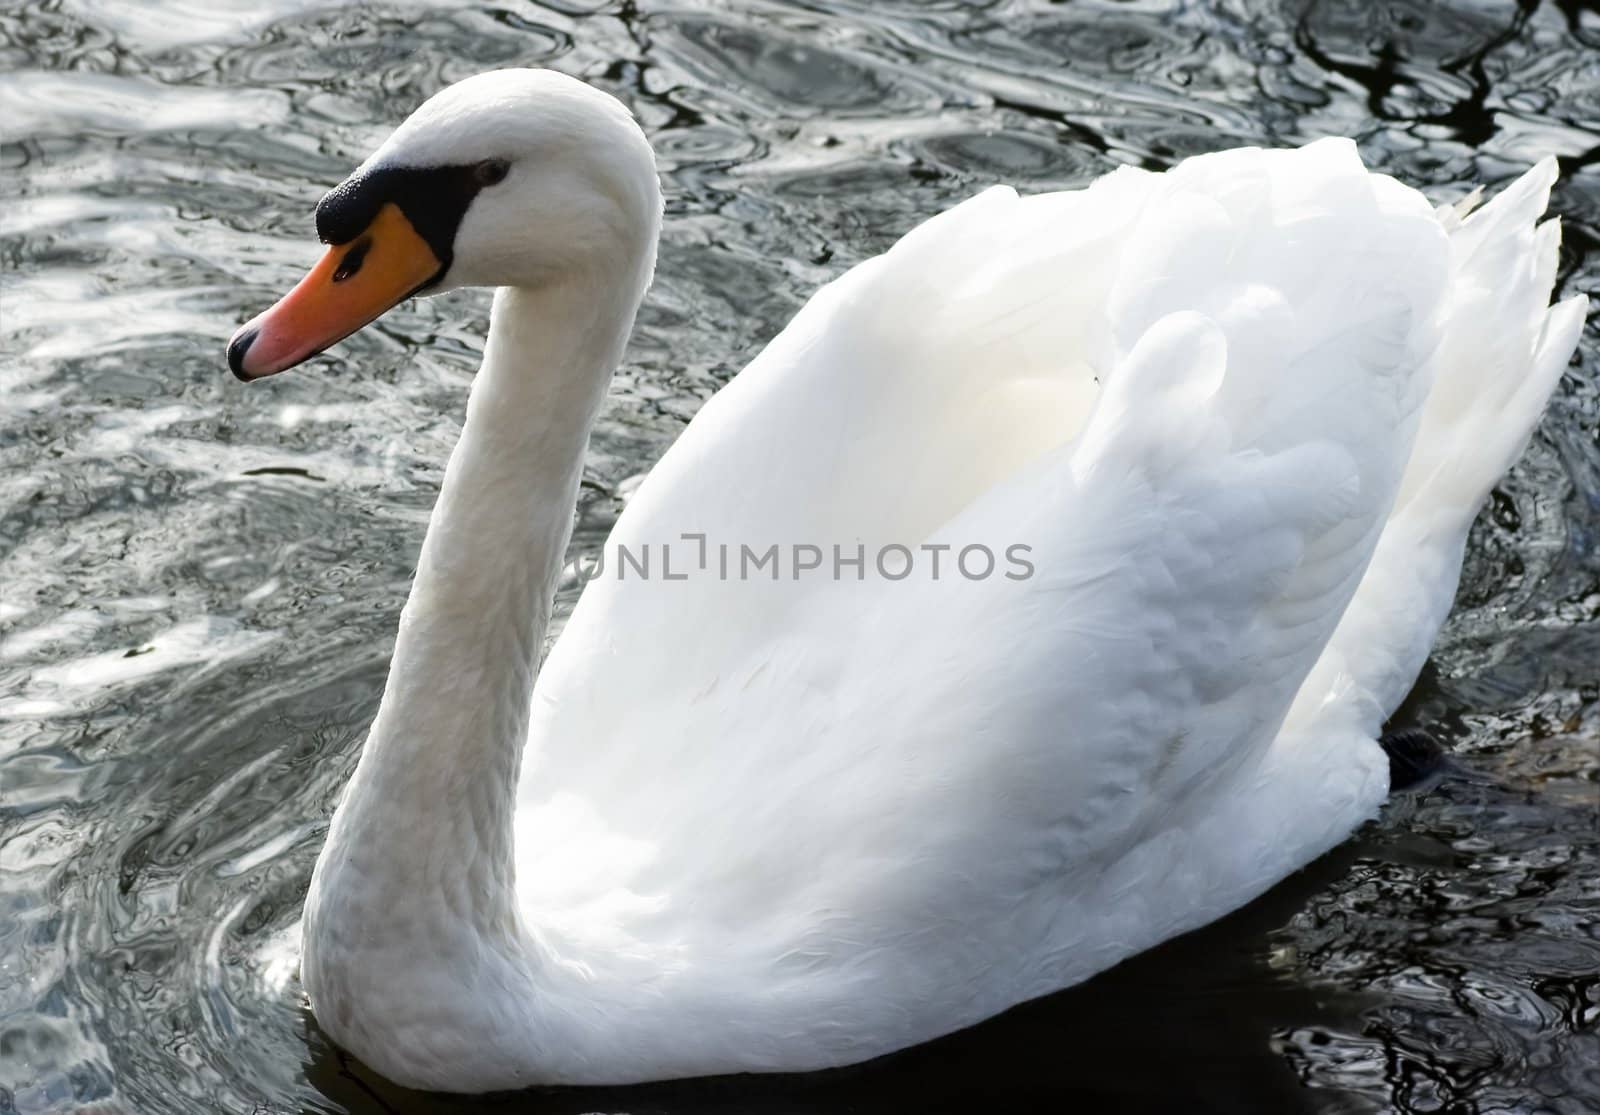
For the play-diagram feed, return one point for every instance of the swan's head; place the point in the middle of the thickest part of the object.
(510, 178)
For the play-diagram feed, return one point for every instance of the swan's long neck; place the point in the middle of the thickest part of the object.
(425, 827)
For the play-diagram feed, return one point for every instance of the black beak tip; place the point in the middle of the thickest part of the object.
(237, 347)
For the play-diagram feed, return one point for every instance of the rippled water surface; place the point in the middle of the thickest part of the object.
(198, 585)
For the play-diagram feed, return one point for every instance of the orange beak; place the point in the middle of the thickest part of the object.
(351, 285)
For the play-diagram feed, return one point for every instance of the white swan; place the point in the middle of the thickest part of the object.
(1240, 415)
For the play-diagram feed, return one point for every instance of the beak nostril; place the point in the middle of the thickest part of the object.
(353, 259)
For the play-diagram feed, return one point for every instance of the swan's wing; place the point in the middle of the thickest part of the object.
(1242, 467)
(915, 802)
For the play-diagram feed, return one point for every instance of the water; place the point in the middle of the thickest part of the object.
(198, 584)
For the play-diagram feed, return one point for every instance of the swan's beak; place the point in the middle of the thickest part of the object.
(351, 285)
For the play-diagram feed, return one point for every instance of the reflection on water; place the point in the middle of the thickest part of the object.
(197, 593)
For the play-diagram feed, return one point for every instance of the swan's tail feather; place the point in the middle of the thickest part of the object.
(1504, 350)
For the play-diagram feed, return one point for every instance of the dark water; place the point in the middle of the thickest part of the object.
(198, 585)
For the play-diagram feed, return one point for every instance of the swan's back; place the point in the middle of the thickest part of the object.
(854, 813)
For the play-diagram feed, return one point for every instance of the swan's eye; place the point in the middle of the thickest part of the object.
(491, 171)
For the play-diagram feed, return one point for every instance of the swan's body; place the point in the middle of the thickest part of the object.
(1241, 415)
